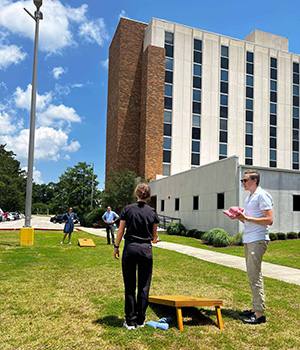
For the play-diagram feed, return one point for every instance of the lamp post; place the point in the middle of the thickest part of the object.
(27, 235)
(92, 194)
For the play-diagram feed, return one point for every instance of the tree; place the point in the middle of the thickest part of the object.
(12, 182)
(119, 190)
(74, 189)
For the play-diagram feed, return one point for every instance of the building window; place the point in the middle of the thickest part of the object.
(167, 141)
(195, 202)
(176, 204)
(162, 205)
(296, 202)
(273, 113)
(220, 200)
(295, 116)
(224, 90)
(196, 103)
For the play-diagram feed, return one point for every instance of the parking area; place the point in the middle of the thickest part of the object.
(36, 222)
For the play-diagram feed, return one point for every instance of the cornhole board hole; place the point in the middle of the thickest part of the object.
(86, 242)
(180, 301)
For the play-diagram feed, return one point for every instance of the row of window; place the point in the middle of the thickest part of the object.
(249, 108)
(196, 109)
(296, 116)
(273, 112)
(224, 78)
(220, 202)
(167, 141)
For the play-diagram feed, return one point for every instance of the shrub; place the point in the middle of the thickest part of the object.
(198, 234)
(208, 237)
(281, 236)
(291, 235)
(298, 234)
(90, 218)
(174, 228)
(273, 236)
(190, 233)
(237, 239)
(221, 239)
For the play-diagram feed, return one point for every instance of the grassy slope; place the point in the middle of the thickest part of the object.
(67, 297)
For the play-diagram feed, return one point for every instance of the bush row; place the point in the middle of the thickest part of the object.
(219, 238)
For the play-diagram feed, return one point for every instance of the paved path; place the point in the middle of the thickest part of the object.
(282, 273)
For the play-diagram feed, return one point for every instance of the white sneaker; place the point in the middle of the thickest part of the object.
(128, 327)
(140, 325)
(70, 243)
(61, 242)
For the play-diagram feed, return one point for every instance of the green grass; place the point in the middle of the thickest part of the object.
(56, 296)
(286, 253)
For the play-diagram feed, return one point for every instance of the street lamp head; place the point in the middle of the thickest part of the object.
(38, 3)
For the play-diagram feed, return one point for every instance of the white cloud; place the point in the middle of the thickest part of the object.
(105, 63)
(77, 85)
(22, 98)
(58, 115)
(50, 144)
(10, 54)
(56, 27)
(6, 124)
(94, 31)
(37, 175)
(3, 86)
(61, 90)
(58, 71)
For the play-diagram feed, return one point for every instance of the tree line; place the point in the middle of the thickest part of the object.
(74, 188)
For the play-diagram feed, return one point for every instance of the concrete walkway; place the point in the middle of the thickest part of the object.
(282, 273)
(279, 272)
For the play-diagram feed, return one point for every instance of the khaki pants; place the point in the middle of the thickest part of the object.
(254, 253)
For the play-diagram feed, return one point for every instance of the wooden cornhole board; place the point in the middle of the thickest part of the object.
(86, 242)
(180, 301)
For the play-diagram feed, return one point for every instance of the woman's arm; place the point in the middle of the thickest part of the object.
(154, 233)
(119, 238)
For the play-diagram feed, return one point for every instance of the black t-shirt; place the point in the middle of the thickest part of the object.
(139, 218)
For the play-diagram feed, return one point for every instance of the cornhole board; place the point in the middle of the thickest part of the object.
(180, 301)
(86, 242)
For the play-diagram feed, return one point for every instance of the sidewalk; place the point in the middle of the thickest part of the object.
(279, 272)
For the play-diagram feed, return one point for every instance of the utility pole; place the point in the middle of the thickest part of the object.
(27, 231)
(92, 194)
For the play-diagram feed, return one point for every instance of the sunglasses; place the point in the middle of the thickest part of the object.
(244, 181)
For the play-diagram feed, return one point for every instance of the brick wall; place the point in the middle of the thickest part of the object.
(152, 112)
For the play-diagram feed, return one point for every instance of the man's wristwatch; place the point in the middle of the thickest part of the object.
(116, 247)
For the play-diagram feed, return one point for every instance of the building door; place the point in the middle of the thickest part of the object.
(152, 202)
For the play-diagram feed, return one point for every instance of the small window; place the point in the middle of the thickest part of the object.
(249, 128)
(296, 78)
(167, 156)
(224, 51)
(249, 80)
(166, 169)
(223, 124)
(223, 136)
(168, 90)
(168, 117)
(296, 202)
(295, 123)
(250, 68)
(273, 96)
(168, 102)
(196, 120)
(250, 56)
(162, 205)
(295, 67)
(273, 119)
(274, 74)
(273, 108)
(169, 77)
(273, 62)
(296, 90)
(273, 142)
(295, 166)
(169, 64)
(167, 143)
(249, 140)
(224, 75)
(197, 45)
(176, 204)
(249, 104)
(296, 101)
(295, 112)
(224, 100)
(195, 202)
(195, 159)
(220, 200)
(196, 146)
(167, 129)
(224, 87)
(196, 133)
(273, 85)
(249, 92)
(169, 50)
(169, 38)
(197, 70)
(248, 161)
(197, 107)
(224, 112)
(248, 152)
(224, 63)
(249, 116)
(197, 57)
(197, 82)
(223, 149)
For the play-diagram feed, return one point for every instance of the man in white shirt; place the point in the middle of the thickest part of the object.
(110, 217)
(258, 215)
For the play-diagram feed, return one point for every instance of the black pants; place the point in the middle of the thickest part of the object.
(137, 257)
(110, 229)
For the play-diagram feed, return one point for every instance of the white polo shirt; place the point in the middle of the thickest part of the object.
(254, 204)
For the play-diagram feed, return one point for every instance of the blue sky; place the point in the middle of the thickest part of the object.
(72, 67)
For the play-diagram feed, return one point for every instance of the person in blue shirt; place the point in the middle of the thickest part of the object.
(69, 219)
(110, 217)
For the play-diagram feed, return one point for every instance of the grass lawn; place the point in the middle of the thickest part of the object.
(65, 297)
(286, 253)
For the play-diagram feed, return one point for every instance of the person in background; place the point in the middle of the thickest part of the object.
(110, 217)
(141, 224)
(69, 219)
(258, 215)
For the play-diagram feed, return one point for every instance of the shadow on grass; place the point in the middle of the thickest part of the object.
(112, 321)
(192, 316)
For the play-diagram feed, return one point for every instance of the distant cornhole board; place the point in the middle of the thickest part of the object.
(179, 301)
(86, 242)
